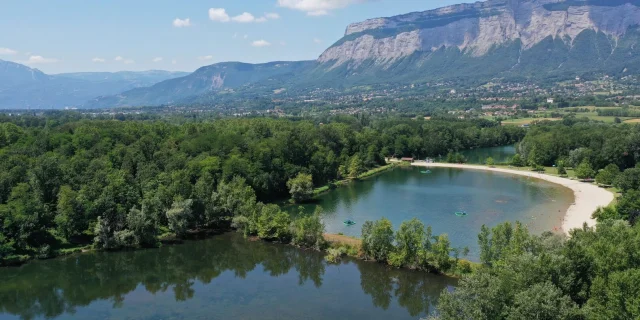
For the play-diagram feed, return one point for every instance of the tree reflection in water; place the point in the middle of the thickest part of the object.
(48, 289)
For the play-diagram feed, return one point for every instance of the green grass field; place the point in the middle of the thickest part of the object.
(523, 121)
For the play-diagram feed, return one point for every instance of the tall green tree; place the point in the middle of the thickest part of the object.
(411, 239)
(273, 224)
(608, 175)
(180, 217)
(584, 170)
(69, 218)
(377, 239)
(356, 167)
(629, 179)
(308, 231)
(301, 187)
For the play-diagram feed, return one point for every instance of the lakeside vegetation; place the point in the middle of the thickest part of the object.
(605, 153)
(367, 174)
(68, 182)
(593, 274)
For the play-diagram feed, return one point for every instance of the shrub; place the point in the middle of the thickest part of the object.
(585, 171)
(309, 231)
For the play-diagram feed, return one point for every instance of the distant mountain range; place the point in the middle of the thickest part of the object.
(22, 87)
(543, 40)
(217, 78)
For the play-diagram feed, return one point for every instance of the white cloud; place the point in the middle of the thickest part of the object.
(123, 60)
(157, 59)
(98, 60)
(174, 61)
(205, 58)
(39, 60)
(218, 14)
(7, 51)
(316, 40)
(272, 16)
(181, 23)
(221, 15)
(260, 43)
(318, 7)
(245, 17)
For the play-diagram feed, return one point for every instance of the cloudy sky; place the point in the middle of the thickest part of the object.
(80, 35)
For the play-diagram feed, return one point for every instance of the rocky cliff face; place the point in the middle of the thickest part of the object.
(476, 29)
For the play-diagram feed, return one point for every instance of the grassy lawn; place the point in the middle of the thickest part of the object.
(596, 117)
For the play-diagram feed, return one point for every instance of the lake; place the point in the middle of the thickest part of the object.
(489, 198)
(499, 154)
(224, 277)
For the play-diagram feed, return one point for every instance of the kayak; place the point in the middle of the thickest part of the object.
(349, 222)
(461, 213)
(428, 171)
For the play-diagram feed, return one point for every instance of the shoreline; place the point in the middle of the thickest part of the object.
(588, 197)
(365, 175)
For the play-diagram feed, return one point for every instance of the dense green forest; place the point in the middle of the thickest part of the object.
(66, 180)
(591, 275)
(610, 154)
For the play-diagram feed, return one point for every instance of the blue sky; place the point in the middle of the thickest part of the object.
(112, 35)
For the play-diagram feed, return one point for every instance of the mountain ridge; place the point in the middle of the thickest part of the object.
(533, 40)
(477, 28)
(23, 87)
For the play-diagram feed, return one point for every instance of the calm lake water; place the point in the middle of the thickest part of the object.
(499, 154)
(225, 277)
(489, 198)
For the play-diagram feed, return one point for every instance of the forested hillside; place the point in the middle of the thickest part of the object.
(66, 181)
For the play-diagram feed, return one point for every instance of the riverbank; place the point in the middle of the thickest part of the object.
(588, 197)
(365, 175)
(341, 245)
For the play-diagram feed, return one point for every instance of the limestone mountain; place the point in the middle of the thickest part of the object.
(495, 38)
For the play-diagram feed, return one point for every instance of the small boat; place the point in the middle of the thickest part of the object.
(349, 222)
(461, 213)
(428, 171)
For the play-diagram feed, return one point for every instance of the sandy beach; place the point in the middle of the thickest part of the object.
(588, 197)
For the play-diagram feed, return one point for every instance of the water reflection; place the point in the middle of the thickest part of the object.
(226, 273)
(499, 154)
